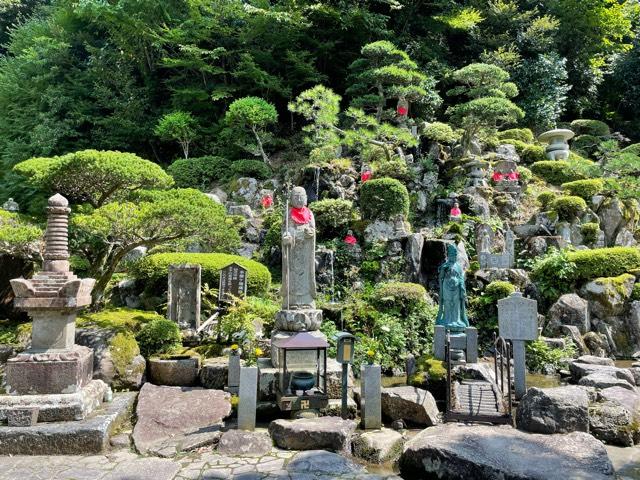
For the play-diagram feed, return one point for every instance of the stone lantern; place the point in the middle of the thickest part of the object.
(476, 172)
(11, 206)
(557, 140)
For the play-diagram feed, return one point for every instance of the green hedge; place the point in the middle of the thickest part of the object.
(155, 268)
(251, 168)
(383, 198)
(604, 262)
(198, 172)
(522, 134)
(332, 215)
(590, 127)
(558, 172)
(401, 294)
(584, 188)
(568, 207)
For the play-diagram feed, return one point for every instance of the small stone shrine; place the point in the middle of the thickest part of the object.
(54, 376)
(452, 315)
(518, 322)
(557, 143)
(184, 296)
(506, 259)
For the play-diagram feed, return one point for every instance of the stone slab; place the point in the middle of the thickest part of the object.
(89, 436)
(235, 442)
(331, 433)
(248, 398)
(60, 407)
(370, 400)
(22, 417)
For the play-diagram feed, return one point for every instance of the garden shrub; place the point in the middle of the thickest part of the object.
(584, 188)
(440, 132)
(158, 337)
(590, 127)
(383, 198)
(546, 198)
(155, 268)
(251, 168)
(634, 149)
(604, 262)
(395, 168)
(238, 325)
(123, 348)
(16, 233)
(521, 134)
(541, 357)
(585, 144)
(589, 232)
(529, 152)
(428, 370)
(525, 174)
(569, 207)
(118, 319)
(484, 308)
(554, 274)
(333, 216)
(406, 296)
(199, 172)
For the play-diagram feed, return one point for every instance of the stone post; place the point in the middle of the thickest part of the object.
(248, 398)
(472, 344)
(184, 296)
(519, 368)
(233, 377)
(439, 341)
(370, 398)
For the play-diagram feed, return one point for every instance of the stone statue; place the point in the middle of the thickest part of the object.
(298, 254)
(451, 310)
(484, 241)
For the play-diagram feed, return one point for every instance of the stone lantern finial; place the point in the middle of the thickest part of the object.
(56, 253)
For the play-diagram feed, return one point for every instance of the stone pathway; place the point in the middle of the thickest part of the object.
(126, 465)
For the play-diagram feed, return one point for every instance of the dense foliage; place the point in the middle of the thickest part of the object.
(383, 198)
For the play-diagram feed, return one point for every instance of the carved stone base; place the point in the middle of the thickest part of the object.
(301, 358)
(51, 372)
(60, 407)
(303, 320)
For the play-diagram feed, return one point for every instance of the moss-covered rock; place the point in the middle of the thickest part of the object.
(155, 268)
(546, 199)
(608, 295)
(383, 199)
(584, 188)
(604, 262)
(589, 232)
(569, 207)
(117, 319)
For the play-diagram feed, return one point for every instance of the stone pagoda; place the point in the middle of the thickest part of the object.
(53, 377)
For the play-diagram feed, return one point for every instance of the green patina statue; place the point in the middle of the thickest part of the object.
(452, 313)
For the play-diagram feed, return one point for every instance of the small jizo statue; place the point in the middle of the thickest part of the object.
(298, 254)
(455, 214)
(452, 312)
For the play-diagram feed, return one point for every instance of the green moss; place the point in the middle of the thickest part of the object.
(546, 199)
(384, 198)
(14, 333)
(155, 268)
(428, 369)
(118, 319)
(569, 207)
(499, 289)
(558, 172)
(635, 294)
(123, 348)
(584, 188)
(440, 132)
(529, 152)
(604, 262)
(589, 232)
(521, 134)
(616, 283)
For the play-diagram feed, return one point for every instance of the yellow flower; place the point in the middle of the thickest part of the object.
(370, 353)
(234, 346)
(258, 352)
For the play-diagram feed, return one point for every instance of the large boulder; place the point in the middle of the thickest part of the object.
(602, 380)
(554, 410)
(411, 404)
(630, 399)
(214, 372)
(579, 369)
(170, 418)
(608, 296)
(570, 309)
(378, 446)
(116, 358)
(331, 433)
(478, 452)
(612, 423)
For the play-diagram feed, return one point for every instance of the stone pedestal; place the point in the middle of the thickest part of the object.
(303, 358)
(302, 320)
(465, 342)
(51, 372)
(370, 397)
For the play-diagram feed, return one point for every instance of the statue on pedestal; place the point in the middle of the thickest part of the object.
(451, 310)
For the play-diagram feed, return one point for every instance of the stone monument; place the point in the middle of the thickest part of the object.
(505, 259)
(184, 296)
(558, 143)
(299, 312)
(452, 313)
(518, 322)
(54, 375)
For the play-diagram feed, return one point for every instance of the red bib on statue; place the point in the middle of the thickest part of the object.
(301, 215)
